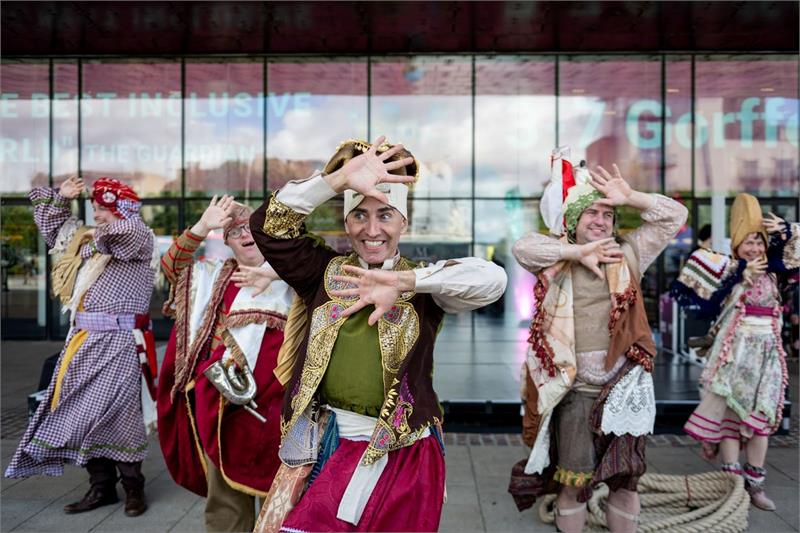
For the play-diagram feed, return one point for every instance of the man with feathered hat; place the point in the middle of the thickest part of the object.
(91, 415)
(361, 421)
(587, 388)
(219, 401)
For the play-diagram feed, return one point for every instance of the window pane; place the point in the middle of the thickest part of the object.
(608, 108)
(24, 306)
(65, 121)
(131, 124)
(747, 117)
(678, 140)
(224, 109)
(425, 103)
(25, 125)
(502, 223)
(438, 225)
(312, 106)
(515, 119)
(163, 220)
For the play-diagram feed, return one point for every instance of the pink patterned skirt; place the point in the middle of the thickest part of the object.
(713, 421)
(408, 496)
(744, 385)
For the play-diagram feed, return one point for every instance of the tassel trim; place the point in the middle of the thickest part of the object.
(537, 339)
(245, 317)
(186, 357)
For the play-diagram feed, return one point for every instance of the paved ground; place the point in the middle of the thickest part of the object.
(478, 467)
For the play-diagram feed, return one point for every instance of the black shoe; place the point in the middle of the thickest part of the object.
(96, 497)
(134, 502)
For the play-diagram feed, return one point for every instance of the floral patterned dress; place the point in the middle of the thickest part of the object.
(747, 369)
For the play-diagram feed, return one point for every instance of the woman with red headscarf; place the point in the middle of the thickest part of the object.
(91, 415)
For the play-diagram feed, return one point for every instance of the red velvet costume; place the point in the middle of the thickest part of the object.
(194, 420)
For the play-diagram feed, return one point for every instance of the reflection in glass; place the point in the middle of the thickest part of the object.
(447, 221)
(224, 109)
(24, 121)
(312, 106)
(515, 108)
(502, 223)
(163, 220)
(747, 121)
(65, 120)
(608, 111)
(425, 103)
(678, 140)
(23, 270)
(131, 124)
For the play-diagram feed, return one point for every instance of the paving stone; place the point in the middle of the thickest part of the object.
(193, 520)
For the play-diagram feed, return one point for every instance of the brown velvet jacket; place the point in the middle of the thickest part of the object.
(406, 333)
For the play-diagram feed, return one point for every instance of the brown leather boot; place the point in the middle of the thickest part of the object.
(96, 497)
(135, 503)
(133, 483)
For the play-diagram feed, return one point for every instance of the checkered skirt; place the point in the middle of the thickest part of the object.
(98, 414)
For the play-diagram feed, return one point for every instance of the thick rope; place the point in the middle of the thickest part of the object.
(712, 502)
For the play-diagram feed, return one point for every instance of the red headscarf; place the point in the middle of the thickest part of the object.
(117, 197)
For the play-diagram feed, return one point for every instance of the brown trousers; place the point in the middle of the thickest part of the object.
(227, 509)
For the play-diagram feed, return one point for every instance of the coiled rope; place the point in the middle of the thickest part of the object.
(712, 502)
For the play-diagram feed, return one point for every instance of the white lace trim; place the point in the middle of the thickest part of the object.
(592, 367)
(631, 405)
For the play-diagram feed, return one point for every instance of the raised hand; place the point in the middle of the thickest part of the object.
(614, 187)
(773, 223)
(380, 288)
(755, 268)
(217, 215)
(365, 172)
(259, 278)
(72, 187)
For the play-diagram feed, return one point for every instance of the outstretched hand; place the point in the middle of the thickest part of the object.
(773, 223)
(216, 216)
(593, 254)
(259, 278)
(380, 288)
(72, 187)
(754, 268)
(614, 188)
(365, 172)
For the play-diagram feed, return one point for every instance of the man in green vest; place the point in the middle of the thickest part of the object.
(361, 420)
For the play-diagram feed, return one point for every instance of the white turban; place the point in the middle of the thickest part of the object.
(396, 193)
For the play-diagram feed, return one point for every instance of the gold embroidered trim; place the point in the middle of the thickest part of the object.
(198, 446)
(398, 330)
(281, 221)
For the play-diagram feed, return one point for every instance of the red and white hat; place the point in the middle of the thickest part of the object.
(117, 197)
(567, 194)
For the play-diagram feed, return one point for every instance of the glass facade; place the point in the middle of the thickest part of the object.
(183, 129)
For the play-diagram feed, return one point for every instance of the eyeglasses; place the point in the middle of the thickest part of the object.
(238, 230)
